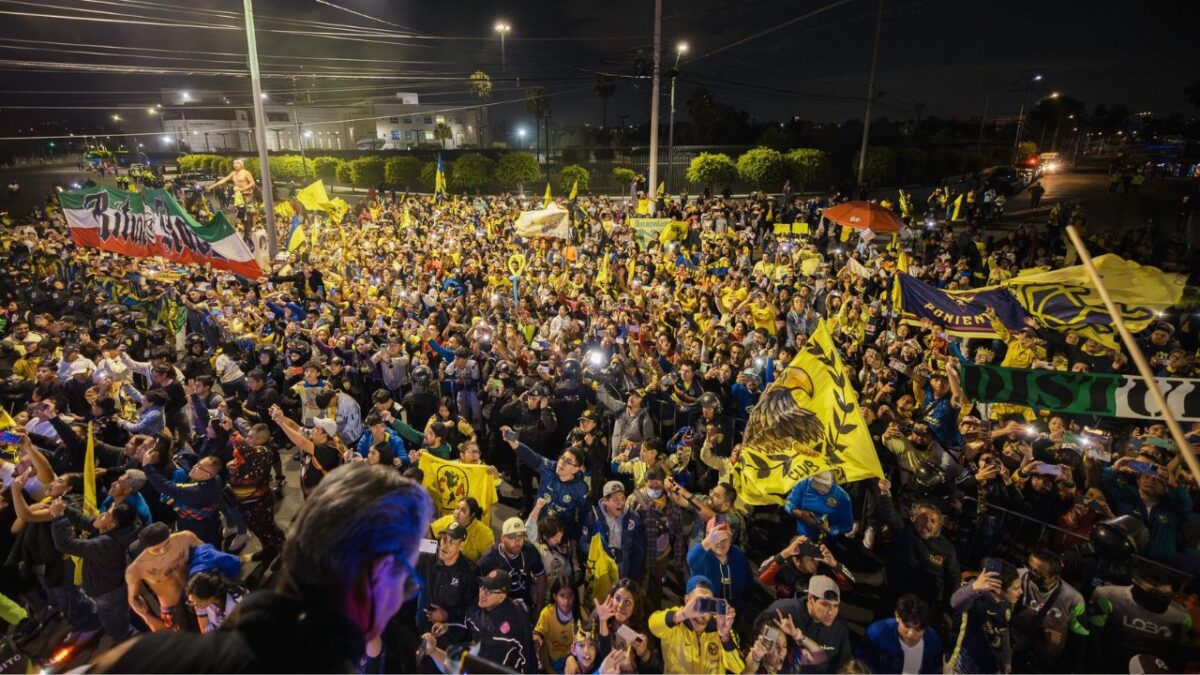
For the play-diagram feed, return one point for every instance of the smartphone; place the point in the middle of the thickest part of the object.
(510, 436)
(1160, 443)
(494, 383)
(627, 634)
(428, 546)
(1143, 467)
(712, 605)
(992, 565)
(9, 438)
(770, 635)
(898, 366)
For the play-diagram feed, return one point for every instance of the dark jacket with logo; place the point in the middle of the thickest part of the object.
(454, 588)
(926, 567)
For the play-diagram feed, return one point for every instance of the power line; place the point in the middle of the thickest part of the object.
(785, 24)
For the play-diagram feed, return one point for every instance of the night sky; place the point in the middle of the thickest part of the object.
(945, 54)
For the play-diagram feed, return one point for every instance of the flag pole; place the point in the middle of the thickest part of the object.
(1135, 352)
(260, 132)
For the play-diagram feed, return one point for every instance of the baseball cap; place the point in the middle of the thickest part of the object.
(152, 535)
(590, 414)
(512, 527)
(824, 478)
(698, 580)
(79, 367)
(496, 580)
(455, 531)
(612, 487)
(325, 424)
(824, 588)
(33, 338)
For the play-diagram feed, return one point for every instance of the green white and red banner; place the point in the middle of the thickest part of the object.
(152, 223)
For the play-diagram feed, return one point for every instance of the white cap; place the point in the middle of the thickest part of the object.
(824, 478)
(79, 366)
(325, 424)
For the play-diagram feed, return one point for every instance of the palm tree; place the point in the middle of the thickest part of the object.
(442, 132)
(538, 105)
(481, 85)
(604, 86)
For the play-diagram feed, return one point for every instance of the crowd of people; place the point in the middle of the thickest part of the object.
(606, 380)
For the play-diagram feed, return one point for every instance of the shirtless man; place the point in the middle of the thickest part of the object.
(243, 184)
(163, 565)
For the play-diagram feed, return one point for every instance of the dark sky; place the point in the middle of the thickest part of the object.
(946, 54)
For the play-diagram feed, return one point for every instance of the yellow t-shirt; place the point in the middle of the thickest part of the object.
(479, 536)
(557, 637)
(764, 316)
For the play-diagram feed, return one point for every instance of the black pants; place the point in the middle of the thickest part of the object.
(260, 519)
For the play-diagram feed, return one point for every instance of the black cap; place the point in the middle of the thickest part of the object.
(496, 580)
(455, 531)
(152, 535)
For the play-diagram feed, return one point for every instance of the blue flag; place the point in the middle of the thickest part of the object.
(961, 313)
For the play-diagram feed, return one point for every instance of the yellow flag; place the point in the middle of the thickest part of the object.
(547, 199)
(450, 482)
(1066, 300)
(406, 220)
(601, 572)
(338, 208)
(602, 276)
(957, 207)
(314, 197)
(846, 233)
(574, 191)
(905, 208)
(6, 420)
(89, 475)
(662, 188)
(783, 228)
(806, 422)
(800, 227)
(238, 199)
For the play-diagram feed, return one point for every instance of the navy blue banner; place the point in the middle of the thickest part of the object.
(960, 313)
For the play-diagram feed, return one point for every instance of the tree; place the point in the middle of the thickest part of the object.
(760, 166)
(442, 132)
(367, 172)
(808, 168)
(604, 87)
(401, 171)
(572, 173)
(472, 172)
(624, 176)
(481, 85)
(290, 167)
(712, 169)
(880, 166)
(326, 167)
(343, 173)
(518, 168)
(538, 105)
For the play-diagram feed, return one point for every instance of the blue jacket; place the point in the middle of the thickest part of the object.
(741, 576)
(631, 558)
(566, 500)
(880, 649)
(839, 513)
(395, 444)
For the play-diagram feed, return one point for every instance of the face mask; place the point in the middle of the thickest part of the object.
(654, 494)
(1155, 602)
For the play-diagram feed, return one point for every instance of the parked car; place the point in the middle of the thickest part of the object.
(1007, 180)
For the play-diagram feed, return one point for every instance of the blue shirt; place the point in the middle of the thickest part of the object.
(834, 506)
(138, 502)
(731, 580)
(942, 418)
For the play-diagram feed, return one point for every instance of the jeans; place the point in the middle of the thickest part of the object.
(113, 610)
(76, 608)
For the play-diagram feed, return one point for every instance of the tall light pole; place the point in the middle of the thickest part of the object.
(1021, 115)
(1042, 138)
(862, 153)
(680, 50)
(502, 27)
(260, 131)
(300, 138)
(654, 95)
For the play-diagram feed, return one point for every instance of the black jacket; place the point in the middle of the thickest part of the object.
(268, 633)
(104, 555)
(927, 567)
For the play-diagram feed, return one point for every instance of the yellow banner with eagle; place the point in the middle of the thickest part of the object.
(450, 482)
(807, 421)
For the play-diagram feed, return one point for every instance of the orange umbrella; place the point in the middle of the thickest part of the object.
(864, 216)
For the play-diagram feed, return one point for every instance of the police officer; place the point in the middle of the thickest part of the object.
(422, 402)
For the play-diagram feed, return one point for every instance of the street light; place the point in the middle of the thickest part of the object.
(116, 118)
(680, 49)
(151, 111)
(503, 28)
(1021, 115)
(521, 135)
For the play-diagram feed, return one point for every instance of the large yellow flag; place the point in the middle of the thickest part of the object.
(1066, 300)
(89, 493)
(806, 422)
(314, 197)
(601, 573)
(338, 208)
(450, 482)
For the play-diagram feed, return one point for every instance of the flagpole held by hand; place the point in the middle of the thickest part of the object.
(1135, 352)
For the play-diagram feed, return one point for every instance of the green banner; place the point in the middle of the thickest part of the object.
(1103, 394)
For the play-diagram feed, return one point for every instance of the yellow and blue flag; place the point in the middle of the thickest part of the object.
(439, 183)
(295, 235)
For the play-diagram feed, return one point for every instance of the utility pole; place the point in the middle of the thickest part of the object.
(652, 186)
(300, 138)
(260, 132)
(679, 50)
(862, 153)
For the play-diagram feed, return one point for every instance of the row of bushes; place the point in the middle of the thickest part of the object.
(763, 167)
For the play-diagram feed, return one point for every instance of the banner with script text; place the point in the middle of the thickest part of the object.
(1102, 394)
(152, 223)
(806, 422)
